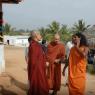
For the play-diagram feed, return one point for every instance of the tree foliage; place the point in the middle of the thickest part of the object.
(53, 28)
(48, 32)
(80, 26)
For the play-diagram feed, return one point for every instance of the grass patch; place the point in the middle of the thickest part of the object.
(91, 68)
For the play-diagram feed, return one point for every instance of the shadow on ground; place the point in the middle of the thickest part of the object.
(3, 91)
(14, 81)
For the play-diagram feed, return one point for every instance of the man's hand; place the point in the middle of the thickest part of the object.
(57, 61)
(47, 64)
(63, 73)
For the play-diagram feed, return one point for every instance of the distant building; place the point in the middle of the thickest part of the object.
(16, 40)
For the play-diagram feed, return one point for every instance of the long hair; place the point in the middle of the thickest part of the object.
(83, 40)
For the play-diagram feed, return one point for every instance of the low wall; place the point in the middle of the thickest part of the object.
(2, 60)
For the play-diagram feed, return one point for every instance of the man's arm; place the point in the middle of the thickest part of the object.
(64, 69)
(62, 54)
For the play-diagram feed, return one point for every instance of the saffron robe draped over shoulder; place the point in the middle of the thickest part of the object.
(55, 51)
(38, 84)
(77, 72)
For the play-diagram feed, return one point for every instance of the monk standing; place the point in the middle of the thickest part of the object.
(37, 67)
(77, 65)
(55, 54)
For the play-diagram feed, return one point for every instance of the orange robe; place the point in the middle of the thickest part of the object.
(54, 51)
(38, 84)
(77, 72)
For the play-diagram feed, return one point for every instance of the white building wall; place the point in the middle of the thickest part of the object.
(16, 40)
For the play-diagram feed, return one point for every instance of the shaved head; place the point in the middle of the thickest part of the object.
(57, 38)
(35, 34)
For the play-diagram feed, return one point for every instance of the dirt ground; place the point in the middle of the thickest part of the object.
(14, 80)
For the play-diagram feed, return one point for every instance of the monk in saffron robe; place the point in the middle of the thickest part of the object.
(55, 54)
(38, 84)
(77, 65)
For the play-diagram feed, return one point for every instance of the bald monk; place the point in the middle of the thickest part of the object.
(37, 67)
(55, 54)
(77, 65)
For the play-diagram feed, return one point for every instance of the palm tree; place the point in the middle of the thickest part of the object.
(63, 29)
(43, 32)
(80, 26)
(65, 33)
(54, 27)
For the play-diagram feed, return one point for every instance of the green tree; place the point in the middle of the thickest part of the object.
(8, 29)
(65, 33)
(43, 32)
(49, 37)
(80, 26)
(54, 27)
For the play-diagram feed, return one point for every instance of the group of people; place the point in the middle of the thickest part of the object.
(44, 65)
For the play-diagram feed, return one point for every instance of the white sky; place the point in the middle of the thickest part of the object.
(31, 14)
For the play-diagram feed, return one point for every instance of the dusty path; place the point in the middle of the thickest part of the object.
(14, 80)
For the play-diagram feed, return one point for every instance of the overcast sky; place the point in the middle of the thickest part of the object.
(33, 14)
